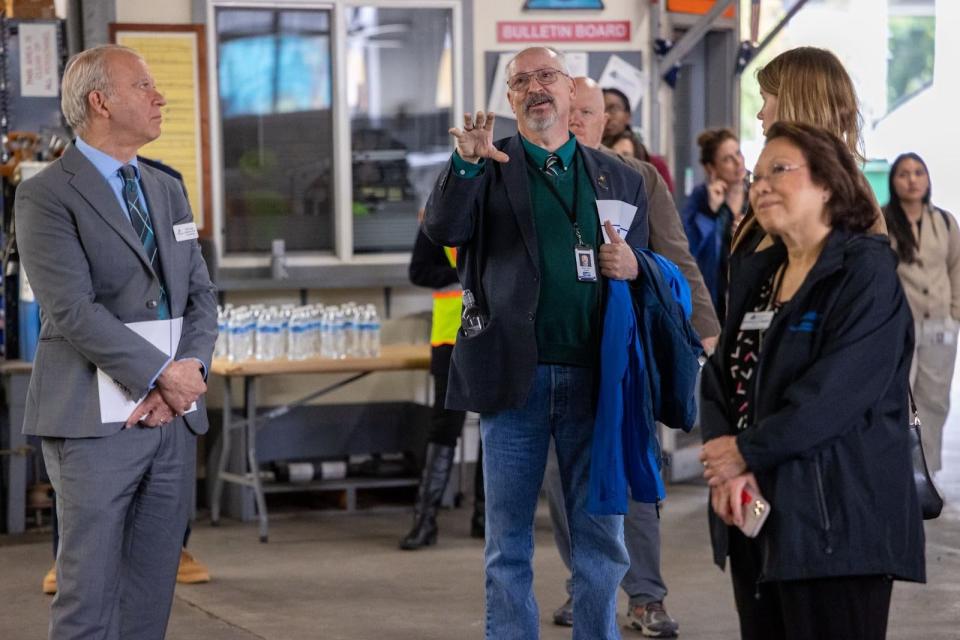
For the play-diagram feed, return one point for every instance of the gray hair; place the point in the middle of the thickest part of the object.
(556, 53)
(86, 72)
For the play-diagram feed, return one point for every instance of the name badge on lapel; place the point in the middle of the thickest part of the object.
(185, 231)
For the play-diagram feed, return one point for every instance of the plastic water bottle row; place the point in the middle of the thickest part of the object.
(264, 332)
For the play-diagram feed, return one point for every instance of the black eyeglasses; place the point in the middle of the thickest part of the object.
(777, 171)
(545, 76)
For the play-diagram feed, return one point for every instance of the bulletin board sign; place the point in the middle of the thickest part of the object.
(176, 55)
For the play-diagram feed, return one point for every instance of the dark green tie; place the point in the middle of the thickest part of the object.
(553, 165)
(142, 225)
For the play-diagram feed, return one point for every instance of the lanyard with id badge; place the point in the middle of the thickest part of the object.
(584, 255)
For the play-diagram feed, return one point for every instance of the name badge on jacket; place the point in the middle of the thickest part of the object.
(185, 231)
(757, 320)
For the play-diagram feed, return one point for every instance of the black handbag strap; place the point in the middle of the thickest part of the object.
(913, 408)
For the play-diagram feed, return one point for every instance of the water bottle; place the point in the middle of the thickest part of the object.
(339, 335)
(241, 328)
(299, 325)
(472, 321)
(373, 332)
(350, 328)
(268, 334)
(316, 330)
(326, 333)
(283, 337)
(221, 349)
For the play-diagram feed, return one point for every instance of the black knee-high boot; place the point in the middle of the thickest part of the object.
(478, 522)
(436, 472)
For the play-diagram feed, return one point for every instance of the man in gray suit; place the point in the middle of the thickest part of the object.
(107, 241)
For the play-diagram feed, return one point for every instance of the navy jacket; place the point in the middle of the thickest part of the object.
(828, 435)
(706, 233)
(672, 349)
(490, 219)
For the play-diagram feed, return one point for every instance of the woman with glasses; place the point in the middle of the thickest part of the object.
(714, 209)
(927, 242)
(808, 85)
(804, 402)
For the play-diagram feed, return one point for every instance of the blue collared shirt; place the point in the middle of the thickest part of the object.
(109, 168)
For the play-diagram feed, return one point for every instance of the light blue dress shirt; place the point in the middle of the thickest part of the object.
(109, 168)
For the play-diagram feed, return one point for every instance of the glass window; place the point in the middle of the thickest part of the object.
(275, 83)
(912, 31)
(400, 96)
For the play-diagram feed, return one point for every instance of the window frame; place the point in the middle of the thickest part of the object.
(343, 254)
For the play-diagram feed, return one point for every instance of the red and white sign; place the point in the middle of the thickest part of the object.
(593, 31)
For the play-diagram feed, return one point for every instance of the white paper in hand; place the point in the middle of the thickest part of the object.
(115, 404)
(619, 213)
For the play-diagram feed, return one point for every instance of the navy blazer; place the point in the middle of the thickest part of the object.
(490, 219)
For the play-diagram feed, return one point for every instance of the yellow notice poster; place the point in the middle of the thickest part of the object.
(174, 63)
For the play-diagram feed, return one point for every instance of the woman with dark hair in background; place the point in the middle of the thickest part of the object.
(627, 145)
(805, 403)
(927, 241)
(714, 209)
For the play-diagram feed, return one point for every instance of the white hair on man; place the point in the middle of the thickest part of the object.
(85, 72)
(555, 53)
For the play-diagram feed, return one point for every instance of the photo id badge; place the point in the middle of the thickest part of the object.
(757, 320)
(586, 263)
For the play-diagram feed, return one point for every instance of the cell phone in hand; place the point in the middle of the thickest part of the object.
(756, 510)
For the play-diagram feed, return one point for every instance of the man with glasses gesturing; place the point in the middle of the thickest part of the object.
(522, 210)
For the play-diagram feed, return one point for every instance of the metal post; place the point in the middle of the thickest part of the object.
(224, 452)
(250, 394)
(659, 67)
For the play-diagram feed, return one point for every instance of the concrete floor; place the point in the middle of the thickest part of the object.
(332, 576)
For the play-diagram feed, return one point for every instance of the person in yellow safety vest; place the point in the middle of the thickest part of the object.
(435, 267)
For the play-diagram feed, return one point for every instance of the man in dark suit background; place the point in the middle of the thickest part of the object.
(107, 242)
(521, 210)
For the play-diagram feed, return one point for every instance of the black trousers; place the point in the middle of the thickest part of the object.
(841, 608)
(445, 425)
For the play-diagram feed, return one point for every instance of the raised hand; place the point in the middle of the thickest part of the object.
(616, 258)
(716, 194)
(475, 139)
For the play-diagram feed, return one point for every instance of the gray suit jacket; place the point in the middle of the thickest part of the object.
(668, 238)
(91, 275)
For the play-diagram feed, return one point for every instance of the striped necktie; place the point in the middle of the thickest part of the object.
(140, 219)
(553, 165)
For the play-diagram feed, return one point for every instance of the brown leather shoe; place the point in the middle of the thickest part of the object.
(191, 570)
(50, 581)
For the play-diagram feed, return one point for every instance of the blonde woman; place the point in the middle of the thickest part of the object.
(810, 86)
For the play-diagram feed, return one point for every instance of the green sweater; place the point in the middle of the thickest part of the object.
(568, 311)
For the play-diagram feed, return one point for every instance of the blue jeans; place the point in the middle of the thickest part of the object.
(515, 444)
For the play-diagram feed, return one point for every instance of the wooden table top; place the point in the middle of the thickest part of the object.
(393, 357)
